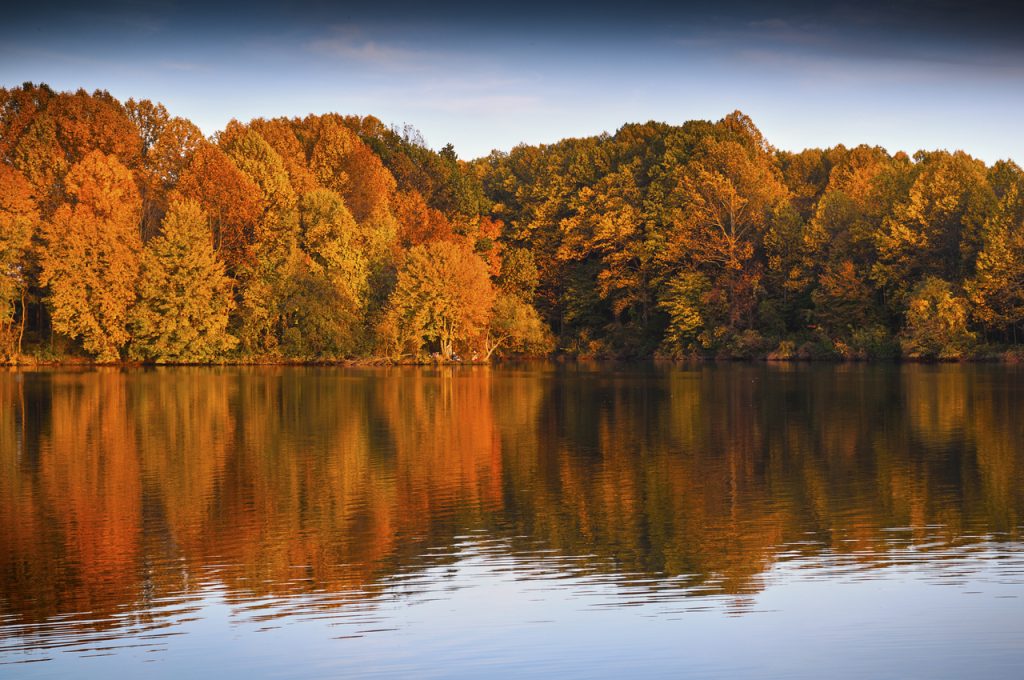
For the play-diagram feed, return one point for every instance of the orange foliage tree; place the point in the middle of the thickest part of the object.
(230, 199)
(18, 222)
(91, 258)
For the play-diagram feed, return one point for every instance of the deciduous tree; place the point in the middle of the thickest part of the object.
(19, 221)
(231, 200)
(516, 328)
(342, 162)
(936, 229)
(997, 287)
(443, 295)
(91, 257)
(184, 294)
(936, 322)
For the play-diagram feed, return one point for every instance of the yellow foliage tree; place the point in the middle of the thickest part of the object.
(343, 163)
(443, 295)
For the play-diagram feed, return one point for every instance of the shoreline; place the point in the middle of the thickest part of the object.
(1006, 358)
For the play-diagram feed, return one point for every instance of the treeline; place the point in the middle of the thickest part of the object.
(703, 239)
(127, 234)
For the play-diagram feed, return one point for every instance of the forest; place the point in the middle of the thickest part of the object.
(126, 234)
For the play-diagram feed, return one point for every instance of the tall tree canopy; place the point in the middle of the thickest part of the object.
(334, 236)
(91, 256)
(184, 293)
(19, 221)
(442, 299)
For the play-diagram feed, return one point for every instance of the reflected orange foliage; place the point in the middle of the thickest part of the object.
(117, 487)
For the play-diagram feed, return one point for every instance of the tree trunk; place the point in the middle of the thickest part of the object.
(21, 329)
(446, 348)
(491, 348)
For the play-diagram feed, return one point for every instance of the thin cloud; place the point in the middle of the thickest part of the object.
(350, 44)
(784, 31)
(484, 104)
(809, 47)
(182, 66)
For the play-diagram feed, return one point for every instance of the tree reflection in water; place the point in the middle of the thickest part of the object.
(127, 494)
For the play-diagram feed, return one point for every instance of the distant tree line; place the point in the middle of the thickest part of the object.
(125, 233)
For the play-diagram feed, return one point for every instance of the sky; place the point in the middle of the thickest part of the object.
(904, 74)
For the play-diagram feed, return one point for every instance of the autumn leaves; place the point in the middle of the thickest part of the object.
(125, 233)
(703, 240)
(128, 233)
(91, 255)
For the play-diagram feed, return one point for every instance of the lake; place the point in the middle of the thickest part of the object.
(716, 521)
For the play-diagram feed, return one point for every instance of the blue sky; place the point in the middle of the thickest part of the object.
(906, 75)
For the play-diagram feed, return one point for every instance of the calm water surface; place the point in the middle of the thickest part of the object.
(730, 521)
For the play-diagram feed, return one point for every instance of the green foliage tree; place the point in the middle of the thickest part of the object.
(936, 229)
(997, 288)
(516, 328)
(326, 294)
(683, 299)
(842, 300)
(608, 226)
(936, 322)
(185, 296)
(315, 323)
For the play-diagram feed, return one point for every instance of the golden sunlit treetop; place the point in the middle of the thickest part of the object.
(336, 238)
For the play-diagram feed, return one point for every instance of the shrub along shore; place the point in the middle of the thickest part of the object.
(128, 236)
